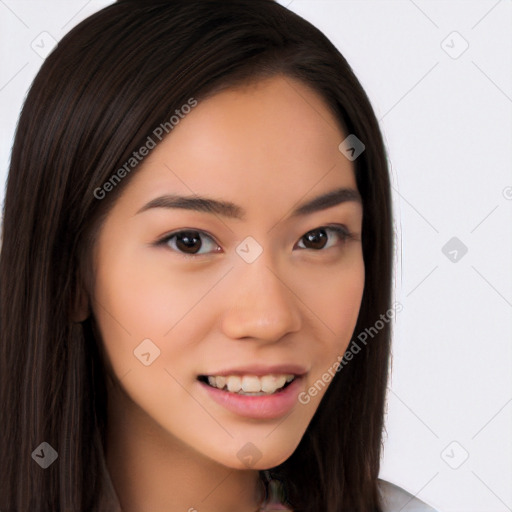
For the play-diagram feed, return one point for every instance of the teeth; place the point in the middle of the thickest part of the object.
(250, 384)
(269, 383)
(234, 384)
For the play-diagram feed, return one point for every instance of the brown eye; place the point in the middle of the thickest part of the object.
(190, 242)
(318, 238)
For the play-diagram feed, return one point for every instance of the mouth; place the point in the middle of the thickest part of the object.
(249, 385)
(265, 396)
(257, 391)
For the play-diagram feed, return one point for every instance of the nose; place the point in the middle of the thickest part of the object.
(263, 306)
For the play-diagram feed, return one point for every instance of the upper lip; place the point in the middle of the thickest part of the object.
(258, 370)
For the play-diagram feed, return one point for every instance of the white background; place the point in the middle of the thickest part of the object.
(447, 121)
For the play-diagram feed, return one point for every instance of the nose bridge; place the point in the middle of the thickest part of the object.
(262, 305)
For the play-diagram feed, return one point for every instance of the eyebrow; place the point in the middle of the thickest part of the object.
(231, 210)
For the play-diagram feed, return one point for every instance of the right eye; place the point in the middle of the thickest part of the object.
(190, 242)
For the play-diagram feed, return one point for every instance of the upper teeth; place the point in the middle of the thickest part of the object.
(250, 383)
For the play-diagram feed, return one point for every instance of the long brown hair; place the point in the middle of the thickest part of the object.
(98, 96)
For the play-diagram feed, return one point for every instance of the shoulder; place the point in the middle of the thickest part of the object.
(396, 499)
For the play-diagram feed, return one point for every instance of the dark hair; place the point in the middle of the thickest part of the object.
(98, 96)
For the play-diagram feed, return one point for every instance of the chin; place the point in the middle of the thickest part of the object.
(258, 456)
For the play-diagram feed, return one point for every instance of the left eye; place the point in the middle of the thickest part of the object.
(318, 238)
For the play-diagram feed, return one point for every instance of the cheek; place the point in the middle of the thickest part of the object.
(130, 305)
(334, 296)
(336, 304)
(139, 297)
(143, 296)
(342, 300)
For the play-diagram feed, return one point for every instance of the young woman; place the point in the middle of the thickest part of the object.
(197, 226)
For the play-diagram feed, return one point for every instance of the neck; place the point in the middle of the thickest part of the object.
(152, 470)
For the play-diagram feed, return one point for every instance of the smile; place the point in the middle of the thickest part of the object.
(275, 396)
(249, 385)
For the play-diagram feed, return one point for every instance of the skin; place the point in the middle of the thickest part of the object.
(170, 447)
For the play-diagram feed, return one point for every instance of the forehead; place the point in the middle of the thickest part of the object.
(274, 138)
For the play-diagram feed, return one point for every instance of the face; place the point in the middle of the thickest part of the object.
(190, 298)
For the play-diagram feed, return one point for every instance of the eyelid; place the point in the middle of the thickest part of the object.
(340, 229)
(164, 239)
(168, 235)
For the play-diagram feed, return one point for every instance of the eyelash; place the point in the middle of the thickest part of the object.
(342, 231)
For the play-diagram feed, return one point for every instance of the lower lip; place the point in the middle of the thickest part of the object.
(258, 407)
